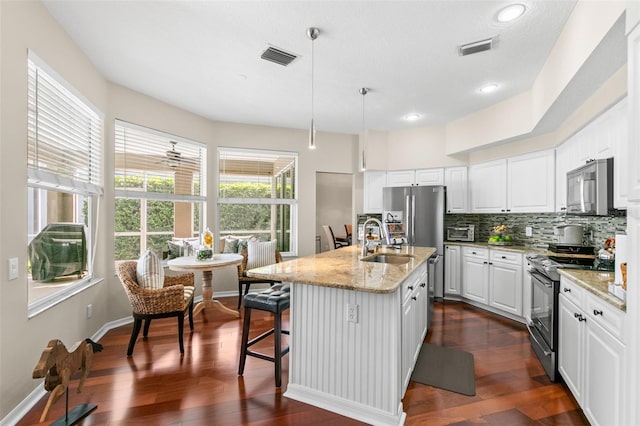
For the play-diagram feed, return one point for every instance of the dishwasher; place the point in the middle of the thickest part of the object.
(431, 287)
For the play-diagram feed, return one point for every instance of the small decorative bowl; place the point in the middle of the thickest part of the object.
(204, 253)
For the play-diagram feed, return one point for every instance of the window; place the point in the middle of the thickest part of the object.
(257, 195)
(159, 182)
(64, 163)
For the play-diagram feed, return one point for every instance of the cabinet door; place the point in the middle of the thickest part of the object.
(374, 181)
(475, 279)
(531, 183)
(633, 62)
(620, 135)
(488, 187)
(564, 163)
(505, 287)
(452, 270)
(570, 346)
(455, 178)
(401, 177)
(430, 176)
(604, 361)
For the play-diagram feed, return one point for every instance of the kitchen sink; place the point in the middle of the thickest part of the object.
(397, 259)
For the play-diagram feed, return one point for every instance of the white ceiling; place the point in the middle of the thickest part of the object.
(204, 56)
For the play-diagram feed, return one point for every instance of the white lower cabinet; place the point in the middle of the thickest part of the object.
(414, 321)
(452, 270)
(591, 358)
(505, 281)
(475, 268)
(493, 277)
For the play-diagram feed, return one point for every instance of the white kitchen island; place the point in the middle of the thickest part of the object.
(356, 330)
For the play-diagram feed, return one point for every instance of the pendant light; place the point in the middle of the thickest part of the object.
(363, 166)
(312, 33)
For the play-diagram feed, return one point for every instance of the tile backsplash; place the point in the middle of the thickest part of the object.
(597, 228)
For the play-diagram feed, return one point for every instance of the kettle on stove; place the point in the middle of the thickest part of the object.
(568, 234)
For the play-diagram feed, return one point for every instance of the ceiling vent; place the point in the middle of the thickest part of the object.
(278, 56)
(476, 46)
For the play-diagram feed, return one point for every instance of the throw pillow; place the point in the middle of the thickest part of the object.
(230, 245)
(261, 253)
(149, 271)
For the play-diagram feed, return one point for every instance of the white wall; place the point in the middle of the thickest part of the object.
(333, 204)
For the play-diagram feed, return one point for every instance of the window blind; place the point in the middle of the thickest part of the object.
(64, 134)
(173, 166)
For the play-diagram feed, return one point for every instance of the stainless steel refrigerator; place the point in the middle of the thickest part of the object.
(422, 211)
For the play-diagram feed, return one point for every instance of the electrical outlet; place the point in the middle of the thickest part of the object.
(352, 312)
(89, 310)
(13, 268)
(528, 231)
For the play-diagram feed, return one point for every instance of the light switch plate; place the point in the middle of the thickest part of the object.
(13, 268)
(528, 231)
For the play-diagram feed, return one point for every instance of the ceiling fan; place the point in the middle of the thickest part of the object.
(173, 157)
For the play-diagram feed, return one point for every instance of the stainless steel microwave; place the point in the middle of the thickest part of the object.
(590, 188)
(461, 233)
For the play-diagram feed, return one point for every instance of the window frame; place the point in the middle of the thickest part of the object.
(292, 202)
(145, 196)
(51, 175)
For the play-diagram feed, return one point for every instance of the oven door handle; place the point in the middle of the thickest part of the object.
(541, 278)
(533, 336)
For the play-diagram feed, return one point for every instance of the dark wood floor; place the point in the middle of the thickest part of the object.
(158, 387)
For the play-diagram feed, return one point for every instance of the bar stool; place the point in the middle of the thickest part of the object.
(275, 300)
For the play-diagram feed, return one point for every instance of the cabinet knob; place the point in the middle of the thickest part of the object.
(414, 298)
(566, 290)
(485, 262)
(508, 210)
(410, 287)
(423, 285)
(504, 257)
(502, 210)
(596, 312)
(576, 315)
(563, 208)
(582, 319)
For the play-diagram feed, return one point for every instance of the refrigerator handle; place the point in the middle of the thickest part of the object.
(413, 219)
(406, 220)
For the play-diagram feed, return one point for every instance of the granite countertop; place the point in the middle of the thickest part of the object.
(342, 268)
(595, 282)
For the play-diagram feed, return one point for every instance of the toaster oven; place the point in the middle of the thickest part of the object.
(461, 233)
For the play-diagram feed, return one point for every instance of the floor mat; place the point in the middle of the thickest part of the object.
(445, 368)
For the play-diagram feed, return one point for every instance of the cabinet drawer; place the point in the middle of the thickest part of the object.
(572, 291)
(607, 316)
(412, 283)
(506, 257)
(479, 253)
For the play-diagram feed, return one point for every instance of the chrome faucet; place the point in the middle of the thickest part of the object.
(364, 233)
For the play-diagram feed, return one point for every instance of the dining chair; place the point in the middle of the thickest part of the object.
(331, 239)
(349, 230)
(173, 299)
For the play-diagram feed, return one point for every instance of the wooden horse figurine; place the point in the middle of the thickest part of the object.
(57, 366)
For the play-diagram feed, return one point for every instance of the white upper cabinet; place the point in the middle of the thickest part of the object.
(606, 136)
(374, 181)
(455, 178)
(401, 177)
(521, 184)
(428, 177)
(488, 187)
(531, 183)
(633, 159)
(423, 177)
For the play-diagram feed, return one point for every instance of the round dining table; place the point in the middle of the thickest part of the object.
(191, 264)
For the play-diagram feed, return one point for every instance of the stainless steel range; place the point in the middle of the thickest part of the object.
(545, 285)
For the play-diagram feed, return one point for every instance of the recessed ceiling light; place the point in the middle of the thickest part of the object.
(412, 117)
(488, 88)
(511, 12)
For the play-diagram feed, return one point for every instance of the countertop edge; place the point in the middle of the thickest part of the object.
(347, 271)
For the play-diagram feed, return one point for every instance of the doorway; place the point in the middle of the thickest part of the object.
(334, 205)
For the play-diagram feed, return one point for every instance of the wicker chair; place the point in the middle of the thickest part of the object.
(244, 280)
(173, 300)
